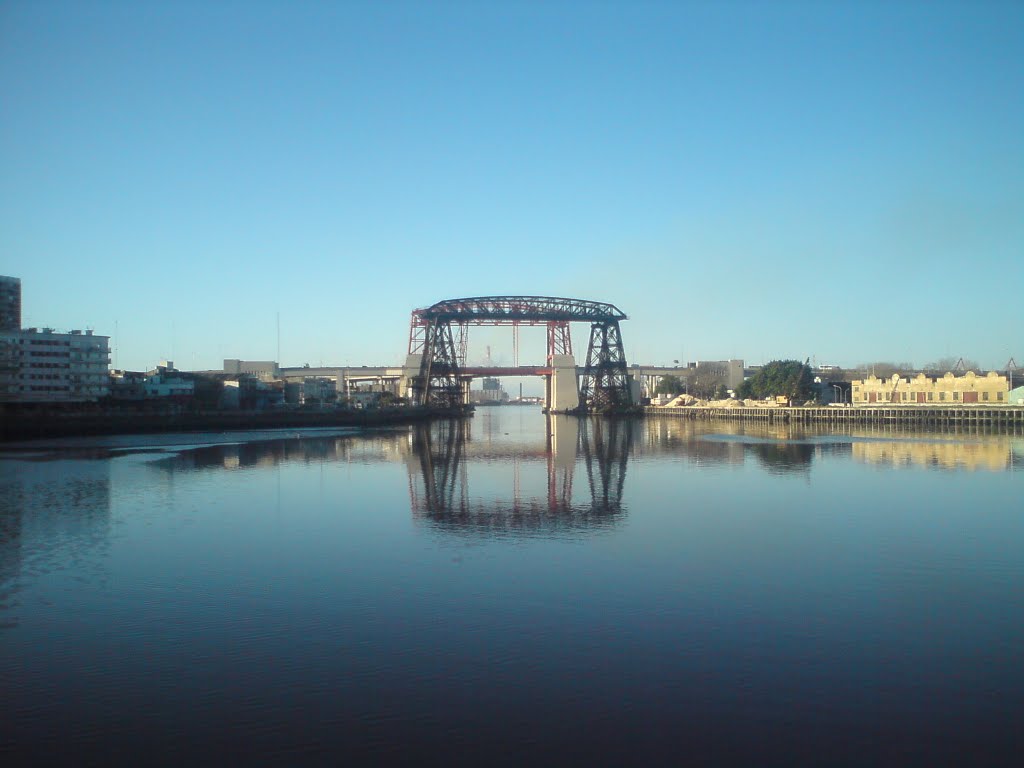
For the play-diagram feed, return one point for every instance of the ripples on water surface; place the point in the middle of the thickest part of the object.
(510, 589)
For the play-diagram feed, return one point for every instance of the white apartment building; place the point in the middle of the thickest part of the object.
(43, 366)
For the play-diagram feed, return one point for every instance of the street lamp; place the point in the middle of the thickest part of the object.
(839, 392)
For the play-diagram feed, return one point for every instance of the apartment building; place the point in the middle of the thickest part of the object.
(10, 303)
(42, 365)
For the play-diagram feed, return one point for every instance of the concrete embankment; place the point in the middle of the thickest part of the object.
(1007, 416)
(28, 426)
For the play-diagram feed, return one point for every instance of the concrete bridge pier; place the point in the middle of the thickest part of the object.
(561, 386)
(465, 382)
(410, 371)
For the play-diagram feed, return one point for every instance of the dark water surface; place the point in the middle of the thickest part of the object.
(514, 590)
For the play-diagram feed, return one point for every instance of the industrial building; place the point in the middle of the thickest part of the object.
(491, 392)
(261, 369)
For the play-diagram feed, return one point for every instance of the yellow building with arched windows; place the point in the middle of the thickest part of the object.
(969, 389)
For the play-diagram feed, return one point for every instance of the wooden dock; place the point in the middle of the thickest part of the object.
(1010, 417)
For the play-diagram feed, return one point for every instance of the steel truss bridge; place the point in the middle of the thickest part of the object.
(438, 335)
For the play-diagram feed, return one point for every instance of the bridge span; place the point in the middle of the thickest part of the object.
(398, 380)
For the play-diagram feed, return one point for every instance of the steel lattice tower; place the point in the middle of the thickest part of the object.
(438, 384)
(605, 382)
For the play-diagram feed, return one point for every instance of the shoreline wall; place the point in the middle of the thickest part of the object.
(1008, 416)
(29, 426)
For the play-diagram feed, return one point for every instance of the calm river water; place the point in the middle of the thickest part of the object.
(511, 589)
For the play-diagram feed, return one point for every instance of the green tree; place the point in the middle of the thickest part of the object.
(669, 385)
(788, 378)
(706, 378)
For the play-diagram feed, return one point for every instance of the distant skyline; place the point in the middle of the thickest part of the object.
(840, 181)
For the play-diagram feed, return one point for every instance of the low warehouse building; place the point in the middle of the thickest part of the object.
(968, 389)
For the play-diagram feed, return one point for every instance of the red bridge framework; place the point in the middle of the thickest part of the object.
(438, 334)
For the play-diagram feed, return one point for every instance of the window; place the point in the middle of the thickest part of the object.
(999, 395)
(956, 395)
(984, 395)
(931, 395)
(942, 395)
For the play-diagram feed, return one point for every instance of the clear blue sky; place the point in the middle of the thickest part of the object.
(756, 180)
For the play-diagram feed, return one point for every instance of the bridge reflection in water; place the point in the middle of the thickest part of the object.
(575, 451)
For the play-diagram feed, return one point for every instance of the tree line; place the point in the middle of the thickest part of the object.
(789, 378)
(793, 379)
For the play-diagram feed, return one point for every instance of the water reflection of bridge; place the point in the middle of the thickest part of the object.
(570, 477)
(598, 449)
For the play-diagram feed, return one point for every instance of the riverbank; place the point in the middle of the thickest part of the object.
(1007, 416)
(29, 426)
